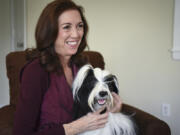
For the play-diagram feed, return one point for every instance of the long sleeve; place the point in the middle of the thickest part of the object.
(34, 83)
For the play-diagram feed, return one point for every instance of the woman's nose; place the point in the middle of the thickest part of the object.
(74, 33)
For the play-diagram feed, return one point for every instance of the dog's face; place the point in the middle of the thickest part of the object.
(92, 88)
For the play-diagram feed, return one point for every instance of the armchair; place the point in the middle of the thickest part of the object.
(147, 124)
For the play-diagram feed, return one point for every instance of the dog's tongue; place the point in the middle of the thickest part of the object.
(101, 101)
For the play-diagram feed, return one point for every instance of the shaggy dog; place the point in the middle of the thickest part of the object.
(92, 89)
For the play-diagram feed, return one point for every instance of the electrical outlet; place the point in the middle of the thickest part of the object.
(166, 109)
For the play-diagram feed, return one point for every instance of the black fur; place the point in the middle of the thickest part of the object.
(109, 80)
(82, 108)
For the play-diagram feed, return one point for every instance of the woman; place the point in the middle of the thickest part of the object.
(45, 103)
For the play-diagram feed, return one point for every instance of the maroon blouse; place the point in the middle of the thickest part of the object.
(57, 104)
(33, 89)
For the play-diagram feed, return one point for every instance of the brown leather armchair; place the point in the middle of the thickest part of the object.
(147, 124)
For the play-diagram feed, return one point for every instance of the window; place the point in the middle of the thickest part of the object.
(176, 36)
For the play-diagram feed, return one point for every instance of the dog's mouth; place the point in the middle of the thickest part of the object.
(101, 101)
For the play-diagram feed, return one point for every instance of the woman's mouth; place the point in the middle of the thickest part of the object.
(72, 43)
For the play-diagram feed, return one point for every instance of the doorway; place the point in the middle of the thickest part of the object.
(12, 38)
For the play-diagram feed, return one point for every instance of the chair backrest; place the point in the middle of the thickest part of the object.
(16, 60)
(94, 58)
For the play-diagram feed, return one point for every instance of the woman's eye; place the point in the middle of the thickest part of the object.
(81, 25)
(66, 27)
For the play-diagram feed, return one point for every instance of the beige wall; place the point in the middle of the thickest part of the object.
(135, 37)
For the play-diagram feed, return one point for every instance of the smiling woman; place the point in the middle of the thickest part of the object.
(56, 30)
(46, 101)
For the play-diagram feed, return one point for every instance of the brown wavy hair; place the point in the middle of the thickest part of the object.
(47, 31)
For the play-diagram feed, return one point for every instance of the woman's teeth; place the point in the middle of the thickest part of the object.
(72, 43)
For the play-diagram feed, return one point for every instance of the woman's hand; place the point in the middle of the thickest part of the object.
(117, 103)
(91, 121)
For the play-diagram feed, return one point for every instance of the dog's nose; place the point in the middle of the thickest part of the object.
(103, 93)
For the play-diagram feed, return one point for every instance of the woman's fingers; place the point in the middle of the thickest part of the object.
(96, 116)
(117, 103)
(100, 110)
(96, 120)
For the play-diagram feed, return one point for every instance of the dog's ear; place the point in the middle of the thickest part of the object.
(81, 90)
(79, 79)
(112, 83)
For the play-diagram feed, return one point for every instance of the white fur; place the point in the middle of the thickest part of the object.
(99, 86)
(100, 74)
(116, 121)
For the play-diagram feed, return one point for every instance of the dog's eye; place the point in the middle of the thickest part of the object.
(89, 83)
(110, 85)
(109, 78)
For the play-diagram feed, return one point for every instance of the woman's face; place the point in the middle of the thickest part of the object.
(70, 33)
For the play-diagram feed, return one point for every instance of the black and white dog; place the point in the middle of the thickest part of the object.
(92, 89)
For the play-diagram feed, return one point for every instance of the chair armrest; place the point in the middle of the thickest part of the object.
(6, 119)
(147, 124)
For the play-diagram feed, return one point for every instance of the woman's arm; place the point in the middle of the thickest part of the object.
(34, 84)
